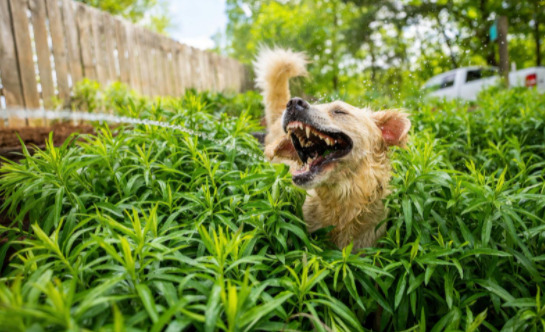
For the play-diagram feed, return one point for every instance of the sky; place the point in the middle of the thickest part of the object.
(195, 21)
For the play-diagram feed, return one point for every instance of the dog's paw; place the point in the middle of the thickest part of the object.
(281, 149)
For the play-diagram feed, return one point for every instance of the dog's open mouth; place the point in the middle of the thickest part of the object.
(316, 148)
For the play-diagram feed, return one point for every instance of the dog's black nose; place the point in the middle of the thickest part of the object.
(297, 104)
(296, 110)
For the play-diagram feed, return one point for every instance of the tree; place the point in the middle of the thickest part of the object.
(314, 27)
(136, 11)
(393, 44)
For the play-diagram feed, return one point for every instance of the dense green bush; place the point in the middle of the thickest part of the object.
(146, 228)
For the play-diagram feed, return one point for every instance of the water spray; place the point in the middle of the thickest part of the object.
(111, 118)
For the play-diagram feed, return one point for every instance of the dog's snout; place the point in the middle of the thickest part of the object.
(296, 110)
(297, 104)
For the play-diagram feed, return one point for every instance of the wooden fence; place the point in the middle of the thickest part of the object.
(46, 46)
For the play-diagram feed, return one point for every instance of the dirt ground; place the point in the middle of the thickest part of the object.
(10, 145)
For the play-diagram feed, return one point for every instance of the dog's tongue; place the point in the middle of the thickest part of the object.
(316, 161)
(302, 170)
(307, 167)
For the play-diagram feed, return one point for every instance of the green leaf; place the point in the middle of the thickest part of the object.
(400, 290)
(251, 317)
(147, 300)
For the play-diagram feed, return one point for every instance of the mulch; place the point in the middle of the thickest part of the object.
(10, 146)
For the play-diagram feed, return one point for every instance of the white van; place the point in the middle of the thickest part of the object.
(465, 83)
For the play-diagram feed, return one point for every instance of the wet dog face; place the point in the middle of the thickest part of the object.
(327, 142)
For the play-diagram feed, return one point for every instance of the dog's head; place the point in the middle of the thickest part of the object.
(329, 141)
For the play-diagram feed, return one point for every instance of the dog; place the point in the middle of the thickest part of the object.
(336, 151)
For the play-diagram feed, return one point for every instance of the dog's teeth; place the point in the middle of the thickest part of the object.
(307, 130)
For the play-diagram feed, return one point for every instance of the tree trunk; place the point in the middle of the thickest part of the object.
(503, 47)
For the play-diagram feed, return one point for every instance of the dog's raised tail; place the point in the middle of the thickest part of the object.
(274, 68)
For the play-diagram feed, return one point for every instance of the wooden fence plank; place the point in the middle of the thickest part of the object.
(190, 68)
(212, 64)
(219, 74)
(182, 62)
(38, 19)
(203, 61)
(122, 52)
(151, 68)
(24, 52)
(133, 53)
(139, 58)
(9, 68)
(83, 20)
(206, 67)
(143, 61)
(185, 61)
(96, 24)
(228, 77)
(107, 34)
(166, 70)
(157, 72)
(158, 83)
(72, 41)
(59, 49)
(114, 65)
(204, 70)
(175, 49)
(195, 69)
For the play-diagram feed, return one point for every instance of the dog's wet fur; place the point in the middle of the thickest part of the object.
(336, 151)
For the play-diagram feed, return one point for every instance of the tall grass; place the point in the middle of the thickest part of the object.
(143, 228)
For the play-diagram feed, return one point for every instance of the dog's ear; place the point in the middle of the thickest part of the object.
(394, 126)
(282, 149)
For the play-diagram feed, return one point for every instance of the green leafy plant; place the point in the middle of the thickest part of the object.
(147, 228)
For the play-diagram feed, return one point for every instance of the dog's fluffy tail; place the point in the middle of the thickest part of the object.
(274, 68)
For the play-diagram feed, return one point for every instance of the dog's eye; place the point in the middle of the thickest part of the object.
(339, 112)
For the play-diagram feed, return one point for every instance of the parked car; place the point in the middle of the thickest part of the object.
(465, 83)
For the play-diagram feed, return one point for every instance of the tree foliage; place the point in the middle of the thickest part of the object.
(365, 44)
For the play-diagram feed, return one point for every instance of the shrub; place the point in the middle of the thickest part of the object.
(146, 228)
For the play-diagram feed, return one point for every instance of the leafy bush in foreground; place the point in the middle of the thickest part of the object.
(152, 229)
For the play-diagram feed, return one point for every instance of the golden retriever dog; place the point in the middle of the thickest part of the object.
(337, 152)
